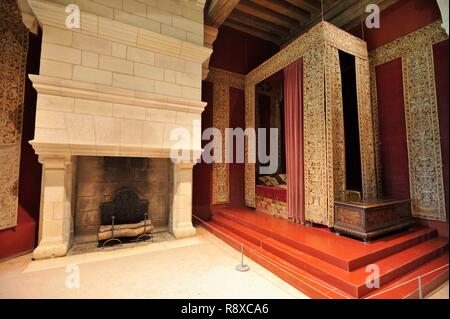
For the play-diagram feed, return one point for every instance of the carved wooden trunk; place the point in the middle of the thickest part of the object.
(369, 219)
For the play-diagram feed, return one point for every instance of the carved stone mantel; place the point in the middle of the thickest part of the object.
(113, 88)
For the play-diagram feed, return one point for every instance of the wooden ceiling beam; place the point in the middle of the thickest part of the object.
(307, 5)
(357, 20)
(345, 14)
(218, 12)
(285, 9)
(266, 14)
(354, 11)
(258, 23)
(252, 31)
(332, 10)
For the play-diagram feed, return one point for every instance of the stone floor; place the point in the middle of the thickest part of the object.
(440, 293)
(198, 267)
(84, 248)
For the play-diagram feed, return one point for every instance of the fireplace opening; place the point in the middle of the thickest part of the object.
(137, 192)
(124, 219)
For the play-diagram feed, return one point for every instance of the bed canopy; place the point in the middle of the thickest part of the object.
(316, 56)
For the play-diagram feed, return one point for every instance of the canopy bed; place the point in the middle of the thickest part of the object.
(316, 166)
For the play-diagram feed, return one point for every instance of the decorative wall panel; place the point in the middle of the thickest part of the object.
(335, 129)
(376, 133)
(13, 58)
(222, 81)
(422, 123)
(366, 140)
(250, 174)
(228, 78)
(272, 207)
(221, 119)
(315, 137)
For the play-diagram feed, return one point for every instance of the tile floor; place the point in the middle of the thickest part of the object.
(198, 267)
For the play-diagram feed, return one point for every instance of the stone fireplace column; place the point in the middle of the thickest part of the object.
(181, 215)
(56, 222)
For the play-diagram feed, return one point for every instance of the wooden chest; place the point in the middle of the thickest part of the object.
(368, 219)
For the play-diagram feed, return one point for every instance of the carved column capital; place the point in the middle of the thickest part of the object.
(183, 166)
(28, 17)
(55, 162)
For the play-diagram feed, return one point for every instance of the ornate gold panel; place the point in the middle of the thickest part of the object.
(421, 114)
(222, 81)
(9, 184)
(221, 114)
(250, 177)
(366, 140)
(376, 133)
(334, 130)
(228, 78)
(315, 137)
(13, 58)
(423, 138)
(321, 32)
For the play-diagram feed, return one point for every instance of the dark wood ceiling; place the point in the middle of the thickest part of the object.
(281, 21)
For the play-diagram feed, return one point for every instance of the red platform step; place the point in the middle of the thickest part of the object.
(303, 281)
(433, 274)
(341, 251)
(330, 266)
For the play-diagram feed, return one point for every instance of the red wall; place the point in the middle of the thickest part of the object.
(392, 128)
(396, 21)
(201, 189)
(202, 180)
(237, 176)
(441, 67)
(239, 52)
(441, 56)
(236, 52)
(401, 18)
(23, 237)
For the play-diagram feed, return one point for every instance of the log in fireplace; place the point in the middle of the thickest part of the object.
(125, 216)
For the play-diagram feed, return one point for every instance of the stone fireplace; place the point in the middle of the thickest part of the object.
(100, 178)
(109, 96)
